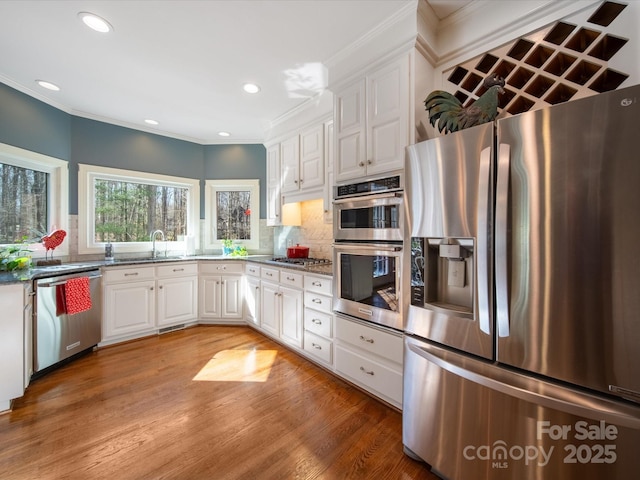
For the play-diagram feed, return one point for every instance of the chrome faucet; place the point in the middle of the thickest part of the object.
(154, 254)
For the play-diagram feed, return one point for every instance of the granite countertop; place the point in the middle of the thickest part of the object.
(20, 276)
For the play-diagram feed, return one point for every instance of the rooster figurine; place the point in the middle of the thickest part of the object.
(451, 116)
(53, 240)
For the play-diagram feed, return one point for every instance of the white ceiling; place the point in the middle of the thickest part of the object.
(183, 63)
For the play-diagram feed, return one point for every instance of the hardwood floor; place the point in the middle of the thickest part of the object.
(136, 411)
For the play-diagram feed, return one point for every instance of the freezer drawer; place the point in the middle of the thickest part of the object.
(470, 420)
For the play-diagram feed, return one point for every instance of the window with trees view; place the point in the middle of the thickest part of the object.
(33, 197)
(124, 207)
(232, 212)
(128, 211)
(23, 201)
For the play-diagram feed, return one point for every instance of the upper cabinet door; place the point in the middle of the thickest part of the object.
(372, 122)
(350, 126)
(387, 117)
(290, 157)
(273, 185)
(312, 157)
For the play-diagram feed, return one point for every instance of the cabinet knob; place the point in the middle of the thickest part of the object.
(361, 164)
(301, 180)
(295, 181)
(160, 287)
(151, 288)
(369, 162)
(368, 372)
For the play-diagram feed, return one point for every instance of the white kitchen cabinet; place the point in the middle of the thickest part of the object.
(318, 318)
(303, 162)
(177, 293)
(274, 186)
(372, 122)
(290, 164)
(370, 357)
(282, 301)
(27, 317)
(271, 308)
(129, 303)
(327, 192)
(252, 294)
(11, 344)
(221, 292)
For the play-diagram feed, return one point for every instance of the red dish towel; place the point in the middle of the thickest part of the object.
(77, 295)
(61, 302)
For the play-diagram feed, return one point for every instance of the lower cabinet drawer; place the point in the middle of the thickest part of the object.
(319, 347)
(319, 323)
(368, 373)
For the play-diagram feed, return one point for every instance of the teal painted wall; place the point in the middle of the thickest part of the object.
(33, 125)
(232, 162)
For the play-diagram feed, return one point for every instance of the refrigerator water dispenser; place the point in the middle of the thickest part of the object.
(442, 274)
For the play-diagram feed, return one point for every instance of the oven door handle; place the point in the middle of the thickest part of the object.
(367, 247)
(57, 284)
(358, 198)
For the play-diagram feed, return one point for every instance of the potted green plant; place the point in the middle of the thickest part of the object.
(14, 257)
(227, 246)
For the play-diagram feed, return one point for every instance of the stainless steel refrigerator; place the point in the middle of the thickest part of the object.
(522, 345)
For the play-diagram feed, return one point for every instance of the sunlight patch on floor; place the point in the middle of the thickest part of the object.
(238, 366)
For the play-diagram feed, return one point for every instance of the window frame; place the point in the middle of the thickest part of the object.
(58, 190)
(211, 217)
(86, 207)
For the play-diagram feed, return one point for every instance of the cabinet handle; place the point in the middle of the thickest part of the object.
(365, 339)
(316, 284)
(316, 300)
(291, 279)
(178, 269)
(316, 346)
(317, 321)
(368, 372)
(269, 274)
(130, 274)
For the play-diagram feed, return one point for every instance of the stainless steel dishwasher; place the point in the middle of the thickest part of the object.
(58, 336)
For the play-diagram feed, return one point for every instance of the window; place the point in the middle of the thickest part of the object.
(232, 212)
(123, 207)
(33, 197)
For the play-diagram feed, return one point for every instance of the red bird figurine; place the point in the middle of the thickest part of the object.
(52, 240)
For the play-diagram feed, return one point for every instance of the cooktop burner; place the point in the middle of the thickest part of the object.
(302, 262)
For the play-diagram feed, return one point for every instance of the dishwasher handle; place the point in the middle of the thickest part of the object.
(64, 282)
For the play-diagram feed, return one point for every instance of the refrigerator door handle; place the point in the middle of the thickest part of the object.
(484, 308)
(501, 251)
(529, 389)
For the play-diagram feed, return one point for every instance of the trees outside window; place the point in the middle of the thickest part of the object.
(33, 198)
(232, 213)
(123, 207)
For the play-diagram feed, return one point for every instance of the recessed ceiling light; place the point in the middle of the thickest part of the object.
(95, 22)
(251, 88)
(224, 134)
(151, 122)
(48, 85)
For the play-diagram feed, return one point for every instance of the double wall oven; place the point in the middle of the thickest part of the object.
(369, 219)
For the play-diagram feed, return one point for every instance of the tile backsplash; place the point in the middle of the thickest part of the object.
(313, 233)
